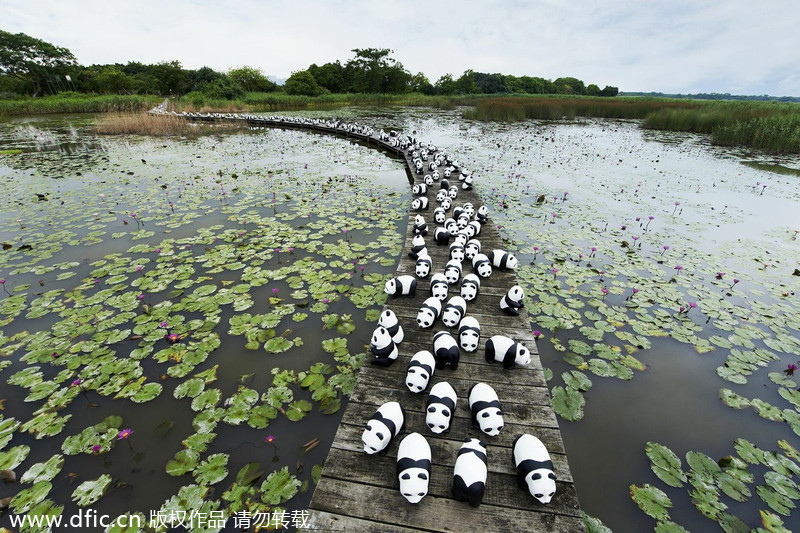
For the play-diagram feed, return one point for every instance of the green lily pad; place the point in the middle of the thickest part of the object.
(279, 487)
(568, 403)
(44, 471)
(576, 380)
(26, 499)
(652, 501)
(10, 459)
(665, 464)
(212, 470)
(183, 462)
(89, 492)
(731, 399)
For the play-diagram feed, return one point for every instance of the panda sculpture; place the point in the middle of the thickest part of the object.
(447, 172)
(482, 214)
(383, 347)
(451, 225)
(461, 239)
(441, 236)
(439, 215)
(474, 228)
(452, 192)
(534, 467)
(454, 310)
(452, 271)
(420, 371)
(385, 424)
(428, 181)
(469, 334)
(414, 467)
(439, 286)
(417, 247)
(389, 321)
(401, 286)
(420, 226)
(458, 211)
(512, 302)
(431, 310)
(445, 350)
(470, 286)
(447, 203)
(457, 252)
(420, 189)
(481, 265)
(420, 204)
(467, 185)
(444, 185)
(462, 220)
(469, 209)
(423, 266)
(485, 408)
(435, 175)
(501, 349)
(472, 248)
(439, 407)
(442, 195)
(502, 260)
(470, 472)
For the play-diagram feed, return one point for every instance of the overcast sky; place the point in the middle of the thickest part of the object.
(685, 46)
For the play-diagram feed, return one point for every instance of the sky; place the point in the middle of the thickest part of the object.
(670, 46)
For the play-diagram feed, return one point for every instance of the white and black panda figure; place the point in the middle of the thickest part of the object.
(502, 349)
(441, 196)
(420, 371)
(401, 286)
(482, 214)
(423, 266)
(418, 247)
(444, 185)
(447, 203)
(383, 347)
(441, 236)
(484, 405)
(429, 181)
(472, 248)
(462, 220)
(470, 286)
(469, 209)
(469, 334)
(452, 271)
(420, 189)
(389, 321)
(476, 228)
(481, 265)
(461, 238)
(419, 204)
(431, 310)
(414, 467)
(470, 472)
(458, 211)
(439, 407)
(432, 165)
(534, 467)
(447, 172)
(435, 175)
(385, 424)
(451, 225)
(420, 226)
(445, 350)
(452, 192)
(457, 252)
(439, 215)
(439, 286)
(454, 310)
(467, 184)
(512, 302)
(502, 260)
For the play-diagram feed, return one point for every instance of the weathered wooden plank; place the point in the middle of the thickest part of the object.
(330, 522)
(433, 513)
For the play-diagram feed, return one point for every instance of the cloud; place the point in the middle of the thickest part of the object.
(732, 46)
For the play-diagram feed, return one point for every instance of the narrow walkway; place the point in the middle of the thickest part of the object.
(359, 492)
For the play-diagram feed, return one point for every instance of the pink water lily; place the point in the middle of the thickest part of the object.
(124, 434)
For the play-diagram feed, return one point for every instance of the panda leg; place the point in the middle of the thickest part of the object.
(475, 496)
(382, 361)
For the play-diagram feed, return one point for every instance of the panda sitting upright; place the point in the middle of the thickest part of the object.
(389, 320)
(383, 347)
(385, 424)
(512, 302)
(534, 467)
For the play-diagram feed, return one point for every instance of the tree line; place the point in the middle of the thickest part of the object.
(35, 67)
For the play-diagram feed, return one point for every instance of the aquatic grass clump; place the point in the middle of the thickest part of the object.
(69, 102)
(144, 123)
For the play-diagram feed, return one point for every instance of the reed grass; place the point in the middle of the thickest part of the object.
(78, 103)
(143, 123)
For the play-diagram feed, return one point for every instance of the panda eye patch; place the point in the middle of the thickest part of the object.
(412, 371)
(446, 412)
(431, 409)
(551, 475)
(406, 476)
(422, 476)
(485, 415)
(538, 495)
(536, 476)
(369, 427)
(379, 435)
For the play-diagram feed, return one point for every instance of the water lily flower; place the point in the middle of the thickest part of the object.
(141, 296)
(681, 309)
(635, 290)
(173, 337)
(158, 250)
(274, 291)
(678, 268)
(164, 325)
(676, 207)
(719, 275)
(790, 369)
(604, 291)
(77, 382)
(124, 434)
(270, 439)
(692, 305)
(735, 281)
(96, 449)
(623, 227)
(537, 334)
(138, 268)
(54, 355)
(2, 281)
(325, 300)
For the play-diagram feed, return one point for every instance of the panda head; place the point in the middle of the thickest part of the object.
(472, 248)
(435, 175)
(541, 484)
(457, 252)
(413, 484)
(419, 220)
(418, 241)
(375, 437)
(439, 215)
(380, 338)
(469, 290)
(416, 204)
(391, 287)
(437, 417)
(439, 286)
(428, 181)
(461, 238)
(423, 267)
(482, 265)
(483, 212)
(417, 378)
(511, 261)
(452, 192)
(387, 319)
(463, 221)
(441, 195)
(470, 230)
(416, 189)
(523, 355)
(516, 294)
(451, 226)
(451, 316)
(468, 339)
(446, 203)
(452, 271)
(426, 317)
(490, 420)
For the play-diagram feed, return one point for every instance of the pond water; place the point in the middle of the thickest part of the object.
(694, 360)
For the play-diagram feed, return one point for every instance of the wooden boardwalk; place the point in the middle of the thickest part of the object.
(360, 492)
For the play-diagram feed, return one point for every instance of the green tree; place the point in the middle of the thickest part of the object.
(32, 60)
(421, 84)
(331, 76)
(446, 85)
(303, 83)
(170, 78)
(373, 71)
(569, 86)
(494, 83)
(608, 90)
(592, 90)
(111, 80)
(252, 80)
(466, 83)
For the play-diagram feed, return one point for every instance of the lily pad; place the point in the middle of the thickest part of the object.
(279, 487)
(652, 501)
(568, 403)
(665, 464)
(89, 492)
